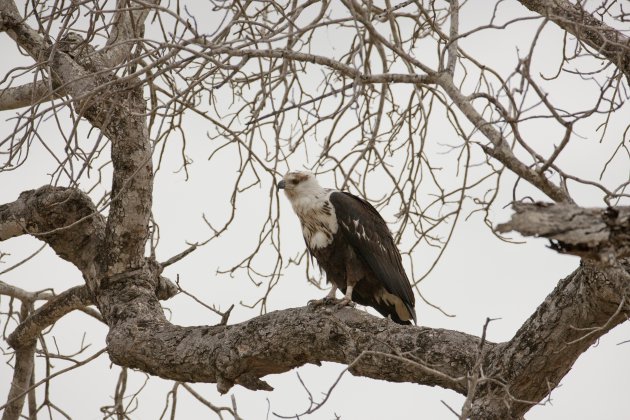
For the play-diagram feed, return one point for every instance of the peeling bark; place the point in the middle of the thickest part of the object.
(601, 234)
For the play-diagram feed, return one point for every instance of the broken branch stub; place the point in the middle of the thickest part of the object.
(601, 234)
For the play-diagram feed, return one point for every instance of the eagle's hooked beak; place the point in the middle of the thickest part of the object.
(281, 184)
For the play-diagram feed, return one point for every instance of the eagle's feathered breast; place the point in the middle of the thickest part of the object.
(318, 219)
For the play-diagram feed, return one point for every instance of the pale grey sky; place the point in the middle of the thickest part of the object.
(479, 276)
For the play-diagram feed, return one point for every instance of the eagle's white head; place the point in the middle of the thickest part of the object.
(300, 185)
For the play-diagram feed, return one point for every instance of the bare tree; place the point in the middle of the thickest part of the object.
(360, 88)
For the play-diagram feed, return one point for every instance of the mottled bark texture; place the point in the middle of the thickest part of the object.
(280, 341)
(64, 218)
(597, 233)
(125, 285)
(45, 316)
(22, 374)
(583, 307)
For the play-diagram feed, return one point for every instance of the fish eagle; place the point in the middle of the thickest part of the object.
(353, 245)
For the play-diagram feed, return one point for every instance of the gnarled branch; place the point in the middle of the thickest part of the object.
(583, 307)
(518, 373)
(26, 95)
(596, 233)
(48, 314)
(64, 218)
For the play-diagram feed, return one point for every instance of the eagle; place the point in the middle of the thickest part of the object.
(352, 244)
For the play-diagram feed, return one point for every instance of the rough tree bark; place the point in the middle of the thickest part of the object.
(595, 233)
(582, 308)
(126, 286)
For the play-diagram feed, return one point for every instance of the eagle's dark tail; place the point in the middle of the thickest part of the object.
(411, 313)
(389, 310)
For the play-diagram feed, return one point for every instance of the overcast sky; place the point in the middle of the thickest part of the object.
(479, 276)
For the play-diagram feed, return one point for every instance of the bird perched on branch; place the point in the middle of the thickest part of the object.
(353, 245)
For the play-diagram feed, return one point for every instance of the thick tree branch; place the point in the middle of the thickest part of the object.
(23, 295)
(26, 95)
(595, 233)
(120, 114)
(280, 341)
(22, 373)
(607, 41)
(64, 218)
(24, 361)
(12, 23)
(66, 72)
(127, 24)
(127, 224)
(48, 314)
(582, 308)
